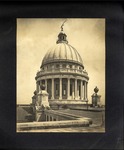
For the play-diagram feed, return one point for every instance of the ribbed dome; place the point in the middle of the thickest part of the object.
(62, 52)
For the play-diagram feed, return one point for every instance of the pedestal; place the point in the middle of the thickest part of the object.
(96, 100)
(41, 104)
(42, 98)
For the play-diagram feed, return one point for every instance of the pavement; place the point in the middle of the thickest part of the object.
(96, 116)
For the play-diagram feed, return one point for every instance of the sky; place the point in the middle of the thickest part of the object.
(36, 35)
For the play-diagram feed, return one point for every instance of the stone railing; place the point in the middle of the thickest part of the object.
(55, 119)
(52, 115)
(62, 70)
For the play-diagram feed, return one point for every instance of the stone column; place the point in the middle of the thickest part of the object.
(52, 88)
(75, 88)
(81, 90)
(68, 97)
(46, 84)
(84, 90)
(78, 89)
(72, 89)
(60, 88)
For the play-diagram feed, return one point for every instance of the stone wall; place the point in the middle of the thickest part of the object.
(24, 113)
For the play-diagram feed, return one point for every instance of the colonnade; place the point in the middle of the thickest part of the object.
(76, 88)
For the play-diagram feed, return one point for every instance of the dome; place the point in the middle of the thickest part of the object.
(62, 52)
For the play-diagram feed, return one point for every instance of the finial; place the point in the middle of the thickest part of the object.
(63, 25)
(42, 87)
(62, 36)
(96, 90)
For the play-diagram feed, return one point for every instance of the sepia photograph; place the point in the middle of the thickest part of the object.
(60, 75)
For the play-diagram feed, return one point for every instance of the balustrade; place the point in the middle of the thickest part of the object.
(70, 70)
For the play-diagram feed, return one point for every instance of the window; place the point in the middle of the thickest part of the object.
(79, 91)
(63, 89)
(70, 89)
(57, 89)
(64, 66)
(50, 118)
(47, 118)
(57, 66)
(70, 66)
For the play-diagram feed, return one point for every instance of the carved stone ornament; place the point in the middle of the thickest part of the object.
(42, 87)
(96, 89)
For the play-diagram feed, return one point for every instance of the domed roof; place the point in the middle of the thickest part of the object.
(62, 51)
